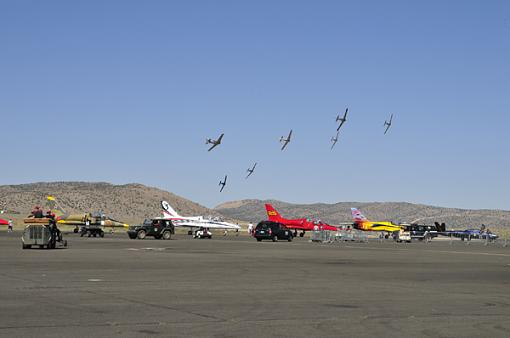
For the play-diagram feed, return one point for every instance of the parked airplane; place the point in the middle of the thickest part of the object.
(3, 222)
(214, 143)
(285, 141)
(223, 183)
(388, 124)
(341, 119)
(195, 222)
(334, 140)
(251, 170)
(362, 223)
(94, 219)
(468, 234)
(303, 224)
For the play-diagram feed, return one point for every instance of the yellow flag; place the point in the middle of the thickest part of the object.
(51, 198)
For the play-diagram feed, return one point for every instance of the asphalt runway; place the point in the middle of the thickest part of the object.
(237, 287)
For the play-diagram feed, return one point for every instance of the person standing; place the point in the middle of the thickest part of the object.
(250, 228)
(9, 227)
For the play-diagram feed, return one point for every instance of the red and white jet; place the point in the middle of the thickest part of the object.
(303, 224)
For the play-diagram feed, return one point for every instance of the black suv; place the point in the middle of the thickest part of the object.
(159, 228)
(273, 231)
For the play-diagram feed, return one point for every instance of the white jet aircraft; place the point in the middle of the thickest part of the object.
(195, 222)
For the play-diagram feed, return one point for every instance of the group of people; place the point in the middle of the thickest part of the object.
(38, 212)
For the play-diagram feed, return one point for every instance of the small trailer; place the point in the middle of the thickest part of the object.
(41, 232)
(91, 230)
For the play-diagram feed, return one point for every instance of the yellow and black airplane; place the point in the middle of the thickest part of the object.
(362, 223)
(87, 219)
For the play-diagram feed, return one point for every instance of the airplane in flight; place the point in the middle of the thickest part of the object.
(223, 183)
(195, 222)
(362, 223)
(334, 140)
(214, 143)
(251, 170)
(303, 224)
(342, 120)
(285, 141)
(388, 124)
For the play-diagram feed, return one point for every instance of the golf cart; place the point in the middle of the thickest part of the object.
(41, 232)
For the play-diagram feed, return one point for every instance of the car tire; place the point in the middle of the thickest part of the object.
(141, 234)
(259, 239)
(275, 238)
(289, 239)
(24, 246)
(167, 235)
(101, 234)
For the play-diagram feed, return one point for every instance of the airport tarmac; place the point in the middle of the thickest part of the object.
(237, 287)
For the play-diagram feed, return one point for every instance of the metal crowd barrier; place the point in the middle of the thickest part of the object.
(325, 236)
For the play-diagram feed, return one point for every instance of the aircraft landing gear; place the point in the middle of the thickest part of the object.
(302, 234)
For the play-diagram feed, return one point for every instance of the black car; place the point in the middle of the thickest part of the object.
(273, 231)
(158, 228)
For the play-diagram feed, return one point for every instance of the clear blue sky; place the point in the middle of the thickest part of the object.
(127, 91)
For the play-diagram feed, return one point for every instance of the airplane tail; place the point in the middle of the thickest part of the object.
(440, 227)
(272, 214)
(168, 211)
(357, 216)
(55, 206)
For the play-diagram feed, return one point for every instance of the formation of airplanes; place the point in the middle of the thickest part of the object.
(284, 141)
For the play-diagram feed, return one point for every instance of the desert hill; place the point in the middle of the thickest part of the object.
(132, 203)
(129, 203)
(254, 210)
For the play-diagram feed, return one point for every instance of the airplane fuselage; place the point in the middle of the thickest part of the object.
(376, 226)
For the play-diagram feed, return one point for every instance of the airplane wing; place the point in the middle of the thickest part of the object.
(290, 135)
(220, 138)
(250, 171)
(213, 146)
(387, 128)
(335, 140)
(345, 114)
(223, 183)
(285, 144)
